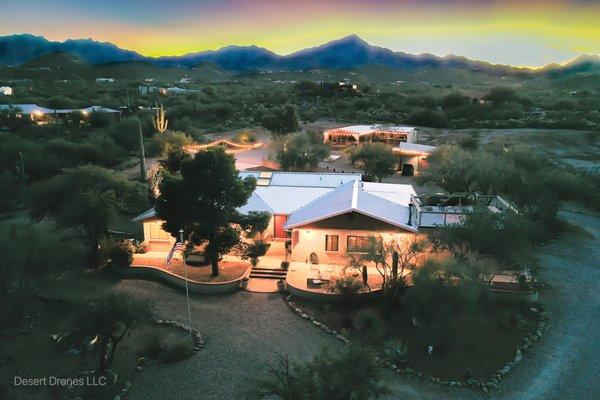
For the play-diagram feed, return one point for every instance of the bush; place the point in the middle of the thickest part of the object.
(425, 117)
(368, 325)
(347, 286)
(162, 142)
(244, 137)
(176, 352)
(513, 320)
(395, 351)
(117, 254)
(168, 349)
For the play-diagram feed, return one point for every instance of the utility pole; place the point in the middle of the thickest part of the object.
(142, 153)
(187, 291)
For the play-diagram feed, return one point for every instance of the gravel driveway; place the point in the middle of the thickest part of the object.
(245, 330)
(242, 331)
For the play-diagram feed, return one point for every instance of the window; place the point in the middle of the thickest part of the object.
(331, 242)
(358, 244)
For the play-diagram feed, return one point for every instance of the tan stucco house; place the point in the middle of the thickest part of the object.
(327, 216)
(324, 215)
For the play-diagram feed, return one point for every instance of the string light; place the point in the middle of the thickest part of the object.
(237, 147)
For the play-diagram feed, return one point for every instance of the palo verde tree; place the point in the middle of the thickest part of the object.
(375, 159)
(203, 200)
(86, 198)
(394, 261)
(110, 318)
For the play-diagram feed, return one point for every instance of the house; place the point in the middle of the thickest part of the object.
(185, 79)
(392, 135)
(412, 157)
(6, 91)
(324, 215)
(105, 80)
(37, 114)
(42, 115)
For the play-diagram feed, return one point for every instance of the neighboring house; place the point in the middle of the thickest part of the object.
(145, 89)
(411, 156)
(39, 115)
(185, 79)
(42, 115)
(6, 91)
(105, 80)
(392, 135)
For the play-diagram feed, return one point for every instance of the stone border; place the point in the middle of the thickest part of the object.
(318, 324)
(484, 386)
(149, 272)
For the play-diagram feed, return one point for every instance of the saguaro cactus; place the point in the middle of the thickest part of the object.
(160, 119)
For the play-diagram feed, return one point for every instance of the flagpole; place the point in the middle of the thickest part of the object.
(187, 291)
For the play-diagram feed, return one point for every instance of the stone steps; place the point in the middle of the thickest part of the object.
(268, 273)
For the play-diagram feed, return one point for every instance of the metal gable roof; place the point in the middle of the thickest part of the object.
(351, 197)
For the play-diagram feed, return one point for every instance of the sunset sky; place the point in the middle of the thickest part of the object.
(521, 33)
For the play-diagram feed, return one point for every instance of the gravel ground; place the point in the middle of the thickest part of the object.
(245, 330)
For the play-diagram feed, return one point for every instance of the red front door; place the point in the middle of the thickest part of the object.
(279, 221)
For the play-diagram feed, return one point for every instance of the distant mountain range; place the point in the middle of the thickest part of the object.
(346, 53)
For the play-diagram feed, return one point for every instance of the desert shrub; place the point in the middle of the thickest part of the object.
(352, 374)
(347, 286)
(245, 137)
(117, 253)
(512, 319)
(162, 142)
(252, 251)
(395, 351)
(126, 134)
(167, 348)
(392, 294)
(425, 117)
(177, 351)
(99, 119)
(368, 325)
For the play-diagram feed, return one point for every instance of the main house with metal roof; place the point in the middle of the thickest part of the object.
(324, 215)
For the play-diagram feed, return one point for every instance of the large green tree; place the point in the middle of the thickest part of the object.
(86, 198)
(297, 152)
(376, 160)
(281, 120)
(203, 201)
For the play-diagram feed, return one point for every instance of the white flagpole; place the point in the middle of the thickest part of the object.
(187, 291)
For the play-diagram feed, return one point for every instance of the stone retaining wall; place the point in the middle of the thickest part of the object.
(148, 272)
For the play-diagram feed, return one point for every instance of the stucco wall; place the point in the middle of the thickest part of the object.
(308, 240)
(154, 232)
(152, 227)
